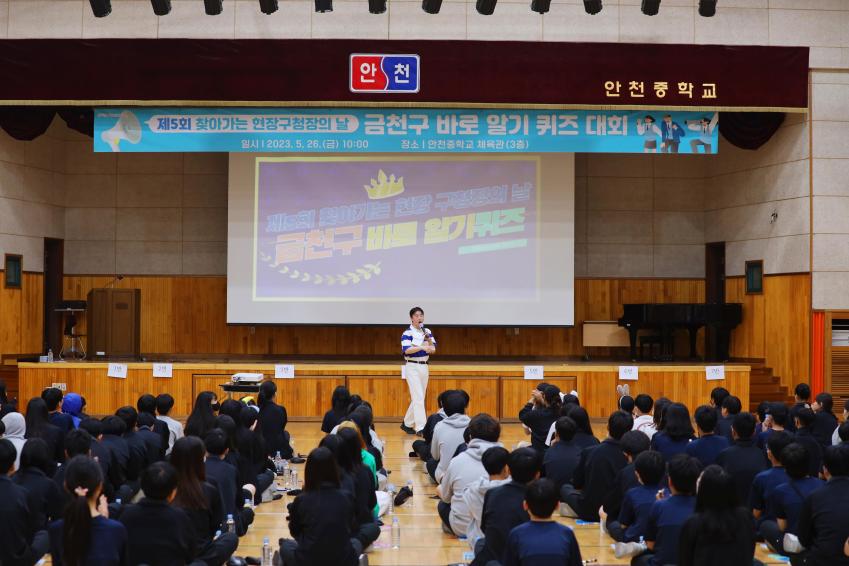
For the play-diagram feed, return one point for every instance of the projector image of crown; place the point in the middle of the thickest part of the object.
(384, 187)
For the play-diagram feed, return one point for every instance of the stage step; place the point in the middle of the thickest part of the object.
(765, 386)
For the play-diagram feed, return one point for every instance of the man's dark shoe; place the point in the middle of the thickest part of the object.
(407, 429)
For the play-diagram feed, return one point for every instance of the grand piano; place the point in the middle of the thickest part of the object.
(719, 320)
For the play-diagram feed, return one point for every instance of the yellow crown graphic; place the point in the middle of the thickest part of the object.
(384, 187)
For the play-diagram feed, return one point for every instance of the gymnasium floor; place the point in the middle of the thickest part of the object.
(422, 541)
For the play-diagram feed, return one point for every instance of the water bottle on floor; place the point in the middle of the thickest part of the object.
(396, 533)
(390, 489)
(278, 463)
(286, 480)
(266, 552)
(231, 524)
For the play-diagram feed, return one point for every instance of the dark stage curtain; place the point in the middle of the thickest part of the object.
(749, 130)
(25, 123)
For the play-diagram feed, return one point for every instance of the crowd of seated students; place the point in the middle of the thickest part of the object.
(664, 491)
(136, 487)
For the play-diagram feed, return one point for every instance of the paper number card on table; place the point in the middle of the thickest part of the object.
(534, 372)
(284, 371)
(117, 370)
(629, 373)
(714, 372)
(162, 370)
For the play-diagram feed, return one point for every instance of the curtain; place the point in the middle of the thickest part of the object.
(749, 130)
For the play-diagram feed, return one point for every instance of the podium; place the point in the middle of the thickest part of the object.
(114, 323)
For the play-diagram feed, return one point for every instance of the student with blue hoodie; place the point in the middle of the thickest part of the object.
(447, 435)
(465, 469)
(72, 405)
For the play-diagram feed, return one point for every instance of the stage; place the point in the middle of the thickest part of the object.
(495, 388)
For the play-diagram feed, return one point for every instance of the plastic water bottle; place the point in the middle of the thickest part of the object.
(391, 490)
(286, 480)
(231, 524)
(49, 355)
(396, 533)
(266, 552)
(249, 503)
(410, 485)
(278, 463)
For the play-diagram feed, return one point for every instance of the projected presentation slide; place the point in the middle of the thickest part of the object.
(359, 240)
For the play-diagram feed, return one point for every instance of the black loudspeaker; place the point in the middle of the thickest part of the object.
(707, 8)
(651, 7)
(540, 6)
(377, 6)
(161, 7)
(592, 6)
(101, 8)
(323, 6)
(213, 7)
(268, 6)
(485, 7)
(431, 6)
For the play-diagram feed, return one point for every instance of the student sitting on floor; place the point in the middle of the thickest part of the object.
(633, 444)
(675, 431)
(743, 460)
(731, 407)
(45, 498)
(709, 444)
(720, 532)
(494, 461)
(805, 419)
(447, 435)
(630, 525)
(643, 419)
(540, 413)
(421, 446)
(717, 396)
(825, 422)
(802, 395)
(338, 409)
(502, 506)
(786, 500)
(666, 517)
(164, 404)
(596, 473)
(321, 518)
(87, 536)
(158, 532)
(835, 436)
(767, 481)
(563, 457)
(20, 544)
(226, 478)
(463, 471)
(541, 540)
(824, 519)
(775, 421)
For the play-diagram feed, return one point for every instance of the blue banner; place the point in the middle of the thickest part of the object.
(360, 130)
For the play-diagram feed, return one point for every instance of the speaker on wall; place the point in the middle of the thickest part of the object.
(101, 8)
(213, 7)
(161, 7)
(431, 6)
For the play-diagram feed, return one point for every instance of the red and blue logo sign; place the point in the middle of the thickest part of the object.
(384, 73)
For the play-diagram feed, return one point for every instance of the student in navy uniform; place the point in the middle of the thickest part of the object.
(541, 541)
(675, 431)
(156, 447)
(824, 519)
(321, 518)
(720, 531)
(787, 498)
(87, 536)
(633, 444)
(540, 413)
(802, 394)
(564, 455)
(596, 472)
(20, 544)
(338, 409)
(825, 421)
(503, 506)
(805, 419)
(146, 404)
(225, 477)
(767, 481)
(709, 444)
(45, 498)
(717, 396)
(272, 422)
(201, 501)
(141, 453)
(776, 421)
(731, 407)
(631, 523)
(158, 532)
(743, 460)
(667, 516)
(38, 426)
(53, 399)
(584, 437)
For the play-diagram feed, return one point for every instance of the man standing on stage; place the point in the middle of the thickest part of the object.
(417, 344)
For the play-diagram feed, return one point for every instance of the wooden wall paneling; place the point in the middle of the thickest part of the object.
(747, 340)
(389, 396)
(10, 325)
(32, 313)
(787, 325)
(483, 393)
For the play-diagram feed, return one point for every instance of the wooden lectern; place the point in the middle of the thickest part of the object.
(114, 323)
